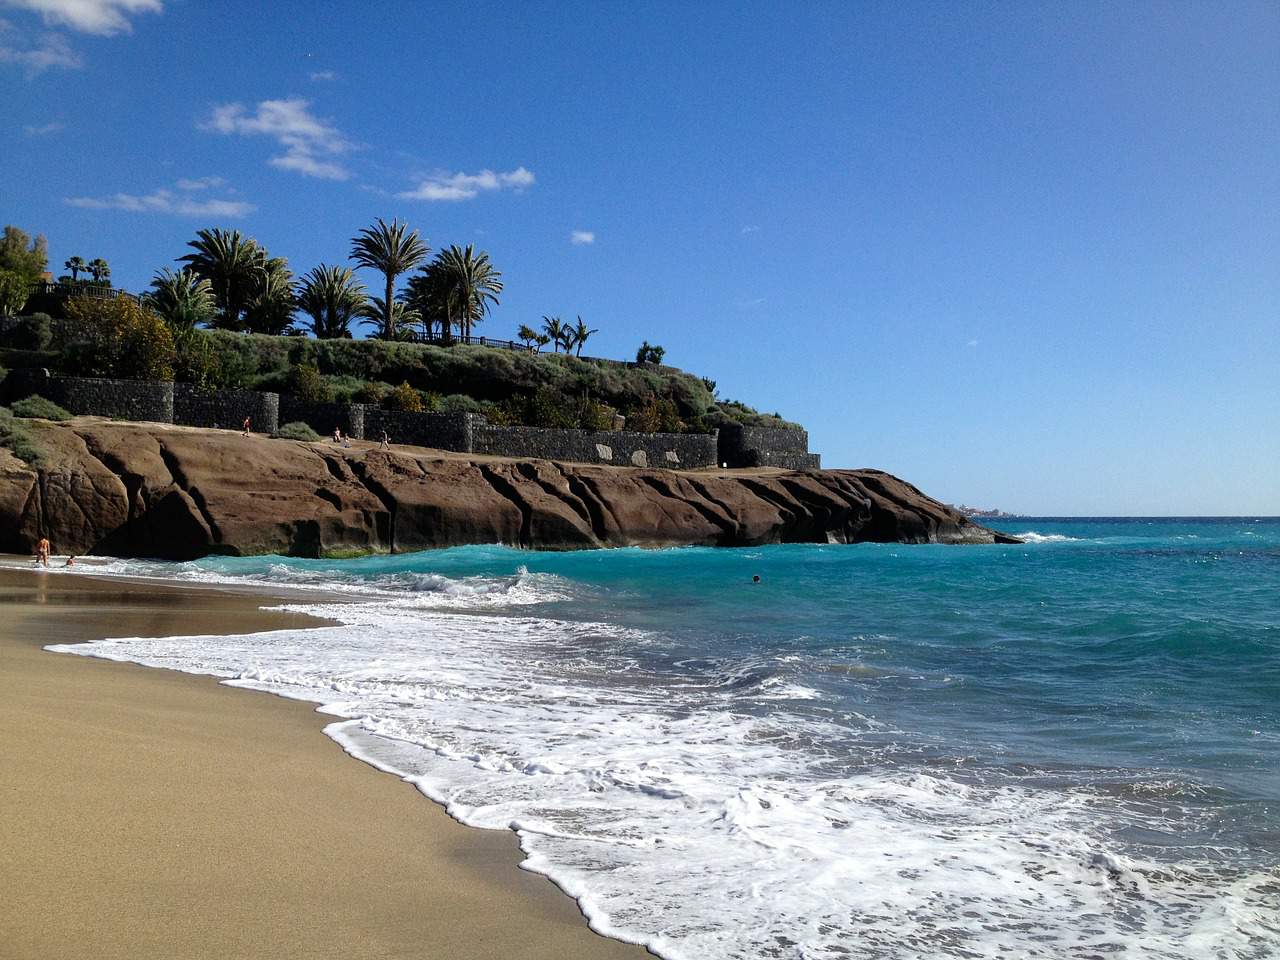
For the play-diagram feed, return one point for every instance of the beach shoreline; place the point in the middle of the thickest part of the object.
(151, 813)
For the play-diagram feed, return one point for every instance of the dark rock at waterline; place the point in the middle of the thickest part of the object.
(150, 490)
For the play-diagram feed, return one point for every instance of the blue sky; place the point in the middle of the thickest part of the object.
(1023, 255)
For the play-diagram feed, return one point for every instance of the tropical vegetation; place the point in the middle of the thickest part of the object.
(234, 315)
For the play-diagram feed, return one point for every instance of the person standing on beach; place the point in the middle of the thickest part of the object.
(386, 441)
(42, 552)
(248, 422)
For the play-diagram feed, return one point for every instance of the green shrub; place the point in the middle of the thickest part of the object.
(307, 385)
(370, 393)
(15, 288)
(295, 431)
(16, 438)
(30, 333)
(405, 399)
(346, 389)
(491, 377)
(38, 408)
(461, 403)
(121, 339)
(594, 415)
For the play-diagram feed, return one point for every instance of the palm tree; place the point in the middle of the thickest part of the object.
(99, 269)
(542, 340)
(469, 282)
(426, 295)
(527, 335)
(181, 298)
(580, 334)
(271, 301)
(555, 329)
(398, 326)
(231, 263)
(392, 251)
(77, 266)
(332, 297)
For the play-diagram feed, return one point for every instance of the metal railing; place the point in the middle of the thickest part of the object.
(97, 291)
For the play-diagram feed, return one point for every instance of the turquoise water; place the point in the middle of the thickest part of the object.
(1069, 747)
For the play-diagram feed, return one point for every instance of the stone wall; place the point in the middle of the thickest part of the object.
(119, 399)
(742, 446)
(225, 408)
(736, 445)
(618, 447)
(323, 417)
(443, 431)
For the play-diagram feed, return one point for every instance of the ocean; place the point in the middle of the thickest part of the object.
(1068, 748)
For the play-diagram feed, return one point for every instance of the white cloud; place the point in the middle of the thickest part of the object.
(103, 17)
(52, 50)
(322, 75)
(202, 183)
(972, 343)
(165, 201)
(310, 144)
(464, 186)
(582, 238)
(748, 304)
(43, 131)
(751, 229)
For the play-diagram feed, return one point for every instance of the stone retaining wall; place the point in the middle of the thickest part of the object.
(119, 399)
(742, 446)
(323, 417)
(443, 431)
(618, 447)
(225, 408)
(735, 445)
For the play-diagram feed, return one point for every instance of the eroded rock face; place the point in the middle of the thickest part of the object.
(146, 490)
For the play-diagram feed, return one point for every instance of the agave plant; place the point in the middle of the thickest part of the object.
(231, 263)
(182, 298)
(332, 297)
(578, 336)
(391, 249)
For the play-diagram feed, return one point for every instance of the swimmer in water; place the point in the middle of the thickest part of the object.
(756, 578)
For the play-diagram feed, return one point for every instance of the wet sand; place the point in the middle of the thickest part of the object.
(151, 814)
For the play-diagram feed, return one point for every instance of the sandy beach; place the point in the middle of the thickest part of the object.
(148, 813)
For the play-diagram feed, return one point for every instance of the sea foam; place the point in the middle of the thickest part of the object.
(719, 809)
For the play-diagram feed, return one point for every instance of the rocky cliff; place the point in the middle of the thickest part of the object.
(148, 490)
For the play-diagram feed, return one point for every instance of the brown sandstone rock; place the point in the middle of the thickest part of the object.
(132, 489)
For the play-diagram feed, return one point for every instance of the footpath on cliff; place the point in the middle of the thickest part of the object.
(170, 492)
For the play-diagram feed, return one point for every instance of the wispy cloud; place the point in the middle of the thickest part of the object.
(202, 183)
(101, 17)
(166, 201)
(320, 76)
(748, 304)
(582, 238)
(972, 343)
(43, 131)
(310, 144)
(48, 51)
(464, 186)
(751, 229)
